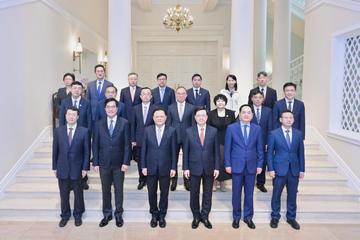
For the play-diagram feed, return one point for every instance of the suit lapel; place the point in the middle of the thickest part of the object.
(282, 136)
(196, 135)
(116, 127)
(65, 135)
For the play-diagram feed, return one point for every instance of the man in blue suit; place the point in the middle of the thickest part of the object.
(70, 162)
(180, 116)
(96, 89)
(111, 147)
(286, 165)
(201, 162)
(163, 96)
(197, 95)
(263, 118)
(270, 95)
(158, 163)
(142, 117)
(290, 103)
(244, 159)
(110, 92)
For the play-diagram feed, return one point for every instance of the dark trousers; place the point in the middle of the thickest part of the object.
(240, 180)
(175, 178)
(108, 177)
(207, 182)
(260, 178)
(142, 178)
(79, 205)
(152, 186)
(291, 182)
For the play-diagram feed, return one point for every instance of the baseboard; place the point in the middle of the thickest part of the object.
(11, 175)
(345, 169)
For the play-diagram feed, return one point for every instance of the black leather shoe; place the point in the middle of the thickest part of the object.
(141, 185)
(173, 184)
(207, 223)
(236, 224)
(293, 223)
(162, 222)
(105, 221)
(119, 221)
(250, 223)
(85, 186)
(195, 223)
(262, 188)
(187, 186)
(274, 223)
(153, 222)
(63, 222)
(78, 222)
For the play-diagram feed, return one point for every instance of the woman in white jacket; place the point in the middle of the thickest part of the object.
(231, 93)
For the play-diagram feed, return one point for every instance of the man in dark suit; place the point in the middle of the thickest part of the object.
(163, 96)
(111, 149)
(269, 93)
(289, 102)
(286, 165)
(70, 162)
(64, 92)
(263, 118)
(243, 159)
(110, 92)
(130, 95)
(181, 117)
(158, 163)
(197, 95)
(142, 117)
(96, 89)
(201, 162)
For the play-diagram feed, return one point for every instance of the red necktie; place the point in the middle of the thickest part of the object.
(202, 136)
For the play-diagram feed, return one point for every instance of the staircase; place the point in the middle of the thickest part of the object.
(325, 195)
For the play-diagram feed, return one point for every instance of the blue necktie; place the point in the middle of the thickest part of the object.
(258, 115)
(288, 138)
(245, 134)
(111, 127)
(75, 103)
(99, 88)
(196, 93)
(162, 94)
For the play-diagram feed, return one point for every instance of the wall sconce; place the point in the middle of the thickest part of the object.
(77, 54)
(104, 60)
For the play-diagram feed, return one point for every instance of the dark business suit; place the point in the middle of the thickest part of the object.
(168, 99)
(173, 119)
(202, 100)
(201, 161)
(298, 110)
(69, 161)
(61, 95)
(137, 132)
(270, 97)
(125, 97)
(93, 97)
(287, 164)
(266, 126)
(110, 153)
(243, 158)
(101, 113)
(85, 112)
(159, 160)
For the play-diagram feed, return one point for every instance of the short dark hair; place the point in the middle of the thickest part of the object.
(72, 108)
(256, 92)
(244, 105)
(112, 86)
(145, 88)
(179, 87)
(99, 65)
(159, 109)
(200, 108)
(221, 97)
(111, 100)
(196, 75)
(262, 73)
(77, 83)
(286, 111)
(161, 75)
(133, 73)
(69, 75)
(233, 77)
(289, 84)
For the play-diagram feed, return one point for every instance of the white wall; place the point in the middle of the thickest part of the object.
(36, 50)
(321, 23)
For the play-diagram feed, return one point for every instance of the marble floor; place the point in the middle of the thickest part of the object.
(174, 231)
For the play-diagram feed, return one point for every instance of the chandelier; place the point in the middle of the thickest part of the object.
(178, 18)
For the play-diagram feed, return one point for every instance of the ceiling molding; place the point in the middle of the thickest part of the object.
(353, 5)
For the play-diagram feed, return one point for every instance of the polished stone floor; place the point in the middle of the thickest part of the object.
(88, 231)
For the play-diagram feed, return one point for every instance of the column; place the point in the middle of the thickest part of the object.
(119, 42)
(281, 44)
(242, 45)
(260, 26)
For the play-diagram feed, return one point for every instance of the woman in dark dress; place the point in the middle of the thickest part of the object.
(220, 118)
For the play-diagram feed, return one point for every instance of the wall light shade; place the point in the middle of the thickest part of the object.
(77, 54)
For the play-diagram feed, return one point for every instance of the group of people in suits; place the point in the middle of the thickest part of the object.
(151, 126)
